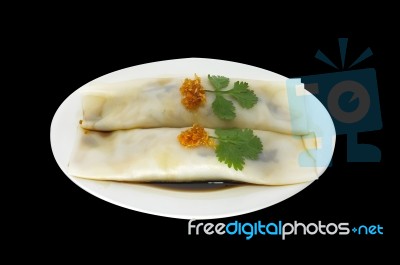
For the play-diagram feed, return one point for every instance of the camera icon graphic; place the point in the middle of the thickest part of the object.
(352, 99)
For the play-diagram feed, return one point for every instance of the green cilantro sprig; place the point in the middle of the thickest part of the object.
(224, 108)
(235, 145)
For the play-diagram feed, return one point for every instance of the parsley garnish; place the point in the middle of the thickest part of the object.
(218, 82)
(223, 107)
(232, 146)
(235, 145)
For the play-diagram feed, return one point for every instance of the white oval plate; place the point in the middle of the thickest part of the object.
(172, 202)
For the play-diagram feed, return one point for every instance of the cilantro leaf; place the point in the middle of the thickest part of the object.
(253, 145)
(218, 82)
(228, 154)
(223, 108)
(244, 96)
(234, 145)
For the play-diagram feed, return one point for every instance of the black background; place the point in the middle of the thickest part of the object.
(347, 192)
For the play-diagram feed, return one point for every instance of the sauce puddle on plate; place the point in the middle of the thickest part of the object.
(193, 187)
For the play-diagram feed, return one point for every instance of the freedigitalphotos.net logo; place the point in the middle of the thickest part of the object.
(282, 229)
(351, 98)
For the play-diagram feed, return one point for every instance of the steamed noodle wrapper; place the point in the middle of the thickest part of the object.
(156, 103)
(149, 155)
(129, 132)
